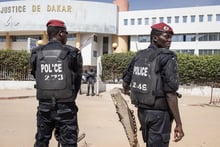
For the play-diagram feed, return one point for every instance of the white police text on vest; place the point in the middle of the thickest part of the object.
(141, 86)
(51, 68)
(140, 71)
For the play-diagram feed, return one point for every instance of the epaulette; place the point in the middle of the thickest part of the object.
(71, 48)
(167, 51)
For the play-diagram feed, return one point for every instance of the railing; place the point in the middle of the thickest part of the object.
(15, 74)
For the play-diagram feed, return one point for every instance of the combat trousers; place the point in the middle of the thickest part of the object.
(155, 127)
(90, 85)
(60, 116)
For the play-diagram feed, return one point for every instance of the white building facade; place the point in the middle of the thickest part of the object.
(196, 28)
(92, 26)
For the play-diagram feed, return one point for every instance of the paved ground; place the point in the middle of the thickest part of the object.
(97, 118)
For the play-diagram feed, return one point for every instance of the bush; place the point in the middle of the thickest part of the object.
(15, 63)
(113, 65)
(199, 69)
(193, 69)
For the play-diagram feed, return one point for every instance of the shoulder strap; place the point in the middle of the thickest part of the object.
(64, 53)
(153, 54)
(40, 54)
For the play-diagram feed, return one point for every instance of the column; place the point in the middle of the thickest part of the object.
(122, 41)
(7, 41)
(78, 40)
(45, 39)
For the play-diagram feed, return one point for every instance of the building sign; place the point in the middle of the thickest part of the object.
(35, 8)
(79, 16)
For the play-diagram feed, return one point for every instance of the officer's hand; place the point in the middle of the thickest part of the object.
(178, 133)
(125, 91)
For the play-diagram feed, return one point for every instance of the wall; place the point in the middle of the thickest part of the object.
(184, 90)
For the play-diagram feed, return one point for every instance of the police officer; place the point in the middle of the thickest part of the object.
(153, 88)
(90, 81)
(57, 69)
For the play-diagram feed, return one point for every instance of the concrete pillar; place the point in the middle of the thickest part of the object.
(114, 42)
(122, 45)
(122, 41)
(7, 42)
(78, 39)
(45, 39)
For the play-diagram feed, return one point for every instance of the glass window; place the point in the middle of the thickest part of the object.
(193, 18)
(154, 20)
(20, 38)
(209, 17)
(34, 36)
(23, 38)
(213, 36)
(72, 37)
(187, 51)
(132, 21)
(146, 20)
(139, 21)
(217, 17)
(105, 45)
(2, 38)
(190, 37)
(191, 52)
(209, 37)
(177, 38)
(201, 18)
(184, 19)
(217, 51)
(203, 37)
(161, 19)
(205, 52)
(176, 50)
(168, 19)
(143, 38)
(177, 19)
(125, 22)
(94, 53)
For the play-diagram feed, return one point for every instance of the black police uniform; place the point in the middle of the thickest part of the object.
(57, 110)
(156, 119)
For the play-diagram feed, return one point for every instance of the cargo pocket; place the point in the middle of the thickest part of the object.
(166, 138)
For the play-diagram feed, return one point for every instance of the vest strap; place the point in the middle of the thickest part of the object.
(63, 53)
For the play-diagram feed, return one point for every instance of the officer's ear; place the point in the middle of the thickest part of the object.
(155, 38)
(60, 33)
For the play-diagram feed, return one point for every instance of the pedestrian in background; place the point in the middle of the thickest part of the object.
(152, 77)
(57, 68)
(91, 79)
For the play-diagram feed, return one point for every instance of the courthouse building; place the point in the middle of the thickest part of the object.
(104, 28)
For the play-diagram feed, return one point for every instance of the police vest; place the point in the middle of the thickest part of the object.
(54, 78)
(146, 83)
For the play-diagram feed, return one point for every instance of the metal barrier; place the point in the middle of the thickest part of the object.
(15, 74)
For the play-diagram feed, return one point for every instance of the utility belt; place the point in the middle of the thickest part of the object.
(54, 101)
(160, 104)
(149, 101)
